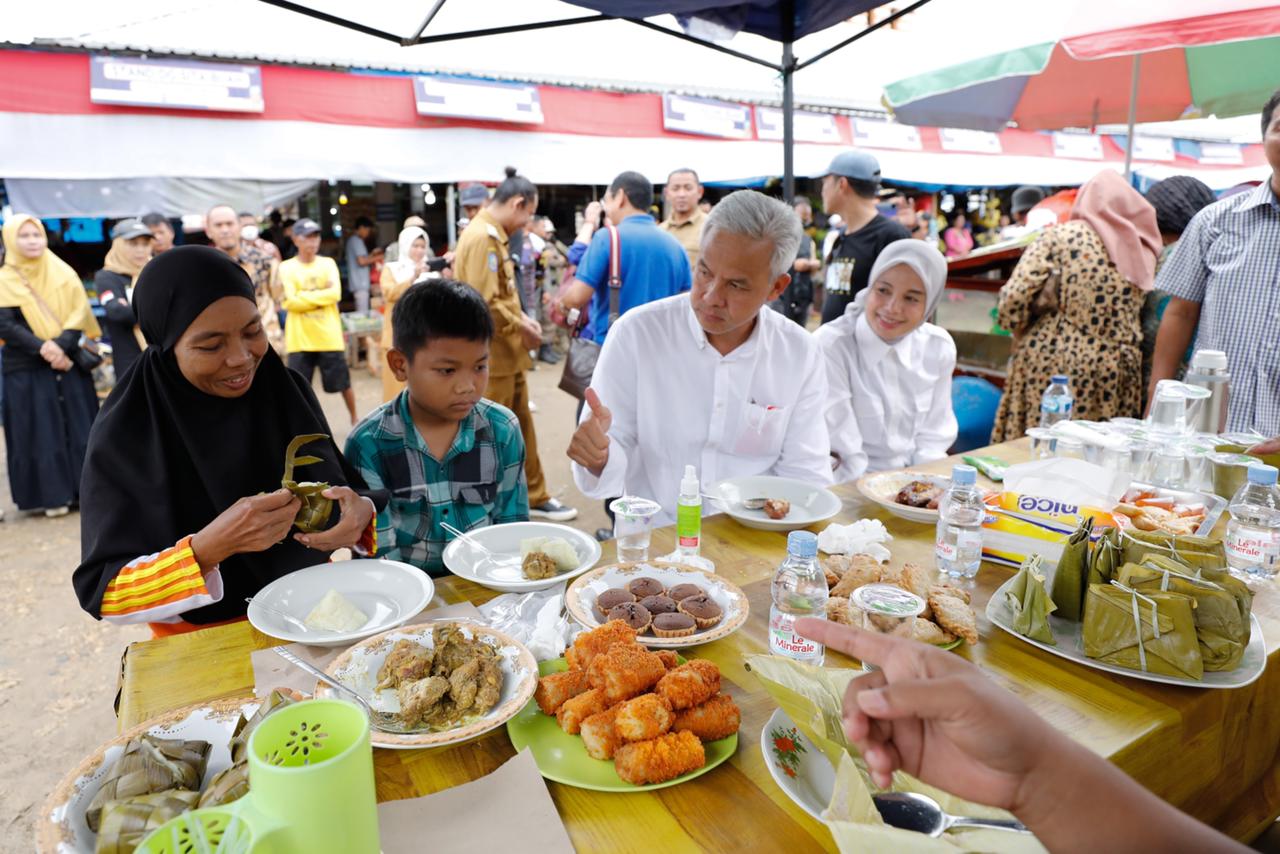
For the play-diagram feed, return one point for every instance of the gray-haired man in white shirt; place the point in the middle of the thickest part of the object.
(711, 378)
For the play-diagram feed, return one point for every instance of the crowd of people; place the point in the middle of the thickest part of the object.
(700, 329)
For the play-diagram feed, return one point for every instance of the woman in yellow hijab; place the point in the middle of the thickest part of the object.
(49, 401)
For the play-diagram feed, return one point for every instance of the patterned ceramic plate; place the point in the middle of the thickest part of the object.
(563, 758)
(800, 769)
(357, 668)
(62, 827)
(882, 486)
(580, 599)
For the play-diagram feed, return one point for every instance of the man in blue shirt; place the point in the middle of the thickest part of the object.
(652, 264)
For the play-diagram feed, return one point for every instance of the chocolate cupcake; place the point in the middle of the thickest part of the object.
(674, 625)
(704, 610)
(633, 614)
(645, 586)
(684, 591)
(659, 604)
(611, 598)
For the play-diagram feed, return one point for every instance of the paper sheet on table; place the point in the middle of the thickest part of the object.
(865, 536)
(461, 820)
(1067, 481)
(271, 672)
(811, 697)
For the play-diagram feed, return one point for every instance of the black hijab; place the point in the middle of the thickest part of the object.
(165, 459)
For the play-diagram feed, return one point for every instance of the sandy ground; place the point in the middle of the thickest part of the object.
(59, 667)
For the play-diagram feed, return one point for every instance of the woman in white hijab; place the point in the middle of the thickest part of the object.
(889, 371)
(409, 267)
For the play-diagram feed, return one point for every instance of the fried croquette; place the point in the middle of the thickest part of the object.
(644, 717)
(555, 688)
(600, 735)
(625, 671)
(577, 709)
(670, 659)
(660, 759)
(590, 644)
(690, 684)
(717, 718)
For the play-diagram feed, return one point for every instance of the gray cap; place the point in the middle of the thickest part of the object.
(856, 165)
(129, 229)
(474, 195)
(304, 227)
(1025, 198)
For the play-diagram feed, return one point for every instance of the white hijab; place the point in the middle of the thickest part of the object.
(922, 257)
(402, 267)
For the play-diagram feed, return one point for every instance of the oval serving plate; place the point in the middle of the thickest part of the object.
(61, 825)
(580, 599)
(882, 486)
(465, 561)
(389, 592)
(357, 668)
(809, 504)
(563, 758)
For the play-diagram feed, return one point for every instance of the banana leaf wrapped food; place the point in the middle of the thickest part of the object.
(127, 822)
(1195, 552)
(1106, 553)
(148, 765)
(1030, 602)
(1152, 630)
(1071, 575)
(1221, 629)
(314, 513)
(232, 784)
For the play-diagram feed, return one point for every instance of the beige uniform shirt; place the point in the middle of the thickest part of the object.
(482, 260)
(688, 233)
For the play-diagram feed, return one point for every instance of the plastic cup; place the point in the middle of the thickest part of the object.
(885, 609)
(1069, 449)
(632, 526)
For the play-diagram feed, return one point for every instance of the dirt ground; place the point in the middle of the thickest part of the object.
(59, 667)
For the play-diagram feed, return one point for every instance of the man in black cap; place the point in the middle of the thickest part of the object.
(850, 189)
(473, 198)
(1024, 199)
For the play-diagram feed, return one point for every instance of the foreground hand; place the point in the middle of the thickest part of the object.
(1271, 446)
(589, 446)
(354, 510)
(255, 523)
(935, 716)
(531, 334)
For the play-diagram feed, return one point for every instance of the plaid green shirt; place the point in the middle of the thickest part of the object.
(480, 481)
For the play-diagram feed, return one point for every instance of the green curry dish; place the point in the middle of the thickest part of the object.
(314, 513)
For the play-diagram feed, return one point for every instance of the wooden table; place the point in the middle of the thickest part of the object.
(1212, 753)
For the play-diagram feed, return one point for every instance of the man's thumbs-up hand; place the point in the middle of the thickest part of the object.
(589, 446)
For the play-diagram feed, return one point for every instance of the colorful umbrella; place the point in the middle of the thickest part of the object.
(1223, 64)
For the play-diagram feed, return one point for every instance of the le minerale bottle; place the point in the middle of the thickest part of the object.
(799, 590)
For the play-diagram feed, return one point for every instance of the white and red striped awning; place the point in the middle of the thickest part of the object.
(320, 124)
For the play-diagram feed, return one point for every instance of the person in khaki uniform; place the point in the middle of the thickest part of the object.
(482, 260)
(683, 194)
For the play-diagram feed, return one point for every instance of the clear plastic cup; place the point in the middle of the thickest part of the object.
(1041, 443)
(1068, 448)
(885, 609)
(1170, 468)
(632, 526)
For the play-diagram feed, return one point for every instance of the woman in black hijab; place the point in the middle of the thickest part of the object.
(182, 514)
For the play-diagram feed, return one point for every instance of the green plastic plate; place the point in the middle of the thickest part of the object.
(563, 758)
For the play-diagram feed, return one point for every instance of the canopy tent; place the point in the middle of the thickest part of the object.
(124, 197)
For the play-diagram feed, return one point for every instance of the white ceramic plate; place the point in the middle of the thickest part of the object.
(62, 827)
(580, 599)
(1070, 647)
(465, 561)
(388, 592)
(800, 769)
(357, 668)
(809, 504)
(882, 486)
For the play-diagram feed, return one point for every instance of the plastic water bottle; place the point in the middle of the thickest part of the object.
(689, 515)
(799, 590)
(1253, 534)
(960, 514)
(1057, 401)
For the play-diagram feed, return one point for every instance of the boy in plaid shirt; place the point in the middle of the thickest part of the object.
(444, 453)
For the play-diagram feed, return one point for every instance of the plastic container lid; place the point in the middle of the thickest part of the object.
(634, 507)
(1263, 474)
(887, 600)
(1214, 360)
(1061, 379)
(964, 476)
(802, 544)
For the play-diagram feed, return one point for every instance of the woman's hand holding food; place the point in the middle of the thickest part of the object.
(355, 513)
(255, 523)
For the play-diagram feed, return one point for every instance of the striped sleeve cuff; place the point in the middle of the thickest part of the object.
(158, 587)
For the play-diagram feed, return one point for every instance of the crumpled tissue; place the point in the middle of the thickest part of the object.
(535, 619)
(865, 536)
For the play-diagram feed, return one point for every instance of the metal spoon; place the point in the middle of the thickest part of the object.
(495, 559)
(910, 811)
(385, 721)
(745, 504)
(288, 618)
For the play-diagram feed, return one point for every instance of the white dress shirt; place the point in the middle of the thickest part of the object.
(890, 404)
(676, 401)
